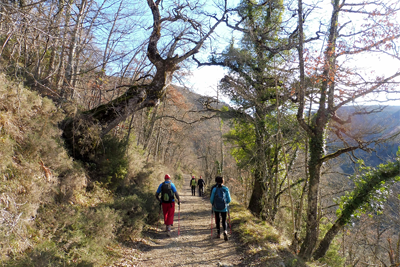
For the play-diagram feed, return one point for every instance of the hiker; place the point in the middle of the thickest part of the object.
(193, 185)
(220, 199)
(201, 184)
(167, 201)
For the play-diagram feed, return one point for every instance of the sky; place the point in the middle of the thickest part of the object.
(204, 80)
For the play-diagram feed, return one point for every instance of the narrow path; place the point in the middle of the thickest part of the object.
(194, 246)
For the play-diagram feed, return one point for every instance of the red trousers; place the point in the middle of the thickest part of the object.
(169, 212)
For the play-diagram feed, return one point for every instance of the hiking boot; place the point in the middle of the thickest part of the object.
(225, 236)
(169, 233)
(218, 236)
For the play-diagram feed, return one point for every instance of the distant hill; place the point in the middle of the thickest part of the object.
(194, 98)
(375, 123)
(387, 118)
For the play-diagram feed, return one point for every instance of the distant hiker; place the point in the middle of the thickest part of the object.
(201, 184)
(220, 199)
(193, 184)
(168, 190)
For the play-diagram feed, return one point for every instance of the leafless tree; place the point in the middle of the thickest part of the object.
(337, 84)
(185, 31)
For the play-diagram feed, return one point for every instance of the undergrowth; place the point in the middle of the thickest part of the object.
(264, 245)
(267, 246)
(56, 211)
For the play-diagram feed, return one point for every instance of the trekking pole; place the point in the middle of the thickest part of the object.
(179, 219)
(230, 225)
(211, 222)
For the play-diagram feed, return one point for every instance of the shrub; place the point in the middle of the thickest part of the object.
(137, 207)
(111, 164)
(31, 158)
(81, 234)
(44, 254)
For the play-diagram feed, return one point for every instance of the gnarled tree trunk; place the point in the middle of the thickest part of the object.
(85, 131)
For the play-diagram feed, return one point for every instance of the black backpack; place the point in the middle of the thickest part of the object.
(219, 199)
(167, 195)
(200, 182)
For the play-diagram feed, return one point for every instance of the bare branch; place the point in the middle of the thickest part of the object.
(203, 118)
(365, 92)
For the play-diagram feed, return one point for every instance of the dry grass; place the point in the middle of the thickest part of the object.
(251, 229)
(264, 244)
(30, 156)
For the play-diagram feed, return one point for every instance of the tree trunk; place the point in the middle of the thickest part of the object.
(256, 204)
(257, 199)
(327, 240)
(272, 183)
(316, 133)
(157, 143)
(60, 69)
(297, 222)
(149, 131)
(312, 228)
(55, 31)
(67, 89)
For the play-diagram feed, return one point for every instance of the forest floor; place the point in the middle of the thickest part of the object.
(194, 246)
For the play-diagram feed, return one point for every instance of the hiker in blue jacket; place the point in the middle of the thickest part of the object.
(220, 199)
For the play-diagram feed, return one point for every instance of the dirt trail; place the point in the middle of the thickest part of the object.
(194, 246)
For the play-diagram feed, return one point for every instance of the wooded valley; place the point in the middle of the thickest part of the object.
(95, 110)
